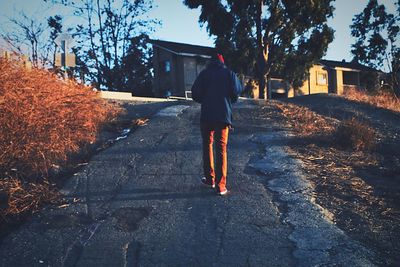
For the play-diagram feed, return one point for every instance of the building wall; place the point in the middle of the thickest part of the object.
(180, 76)
(189, 71)
(346, 79)
(192, 67)
(336, 80)
(174, 74)
(184, 71)
(163, 80)
(314, 85)
(332, 81)
(155, 63)
(156, 66)
(339, 82)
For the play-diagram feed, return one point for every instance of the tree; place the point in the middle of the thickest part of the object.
(55, 24)
(104, 35)
(35, 37)
(269, 36)
(377, 34)
(27, 34)
(136, 66)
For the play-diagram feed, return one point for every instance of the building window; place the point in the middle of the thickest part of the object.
(350, 78)
(167, 66)
(322, 78)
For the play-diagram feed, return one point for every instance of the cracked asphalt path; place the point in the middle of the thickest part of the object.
(140, 203)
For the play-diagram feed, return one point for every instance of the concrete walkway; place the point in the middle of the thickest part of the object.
(140, 203)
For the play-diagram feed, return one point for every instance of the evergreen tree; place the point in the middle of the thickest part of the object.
(377, 35)
(136, 66)
(55, 24)
(269, 36)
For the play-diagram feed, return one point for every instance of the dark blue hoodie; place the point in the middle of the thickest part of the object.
(216, 88)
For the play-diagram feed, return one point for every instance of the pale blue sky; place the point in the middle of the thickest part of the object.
(180, 24)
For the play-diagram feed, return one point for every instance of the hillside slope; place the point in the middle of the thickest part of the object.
(361, 188)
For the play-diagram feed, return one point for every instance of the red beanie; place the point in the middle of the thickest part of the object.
(220, 58)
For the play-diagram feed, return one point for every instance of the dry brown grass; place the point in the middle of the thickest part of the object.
(43, 121)
(381, 99)
(304, 121)
(359, 187)
(355, 135)
(348, 134)
(19, 197)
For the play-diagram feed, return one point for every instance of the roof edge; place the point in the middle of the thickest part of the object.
(168, 44)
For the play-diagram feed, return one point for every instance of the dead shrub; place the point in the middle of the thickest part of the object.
(355, 135)
(44, 119)
(19, 197)
(381, 99)
(304, 121)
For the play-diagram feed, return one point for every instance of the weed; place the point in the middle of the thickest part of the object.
(382, 99)
(21, 197)
(304, 121)
(355, 135)
(44, 119)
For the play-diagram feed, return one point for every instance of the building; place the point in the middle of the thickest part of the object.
(329, 76)
(176, 66)
(316, 82)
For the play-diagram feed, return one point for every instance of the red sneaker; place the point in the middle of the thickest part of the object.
(223, 192)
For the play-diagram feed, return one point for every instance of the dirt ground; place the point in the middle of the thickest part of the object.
(361, 188)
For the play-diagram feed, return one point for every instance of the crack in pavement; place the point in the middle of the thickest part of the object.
(318, 240)
(222, 236)
(74, 250)
(132, 253)
(158, 142)
(188, 225)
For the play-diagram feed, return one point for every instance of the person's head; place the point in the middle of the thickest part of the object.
(218, 57)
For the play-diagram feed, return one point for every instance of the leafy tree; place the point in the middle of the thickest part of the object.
(377, 34)
(104, 35)
(34, 37)
(136, 66)
(27, 34)
(55, 24)
(269, 36)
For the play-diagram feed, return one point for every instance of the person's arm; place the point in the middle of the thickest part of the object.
(197, 89)
(236, 87)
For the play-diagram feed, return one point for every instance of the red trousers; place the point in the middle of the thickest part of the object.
(215, 173)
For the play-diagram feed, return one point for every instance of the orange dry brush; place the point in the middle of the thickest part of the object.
(356, 135)
(18, 197)
(381, 99)
(44, 118)
(304, 121)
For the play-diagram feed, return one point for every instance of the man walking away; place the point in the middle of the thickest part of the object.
(216, 88)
